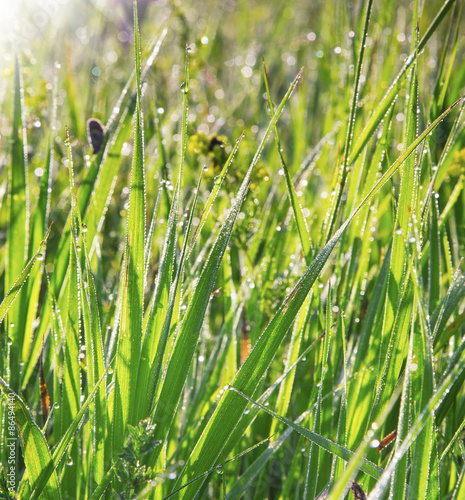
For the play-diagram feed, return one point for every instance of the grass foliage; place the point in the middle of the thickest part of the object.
(254, 288)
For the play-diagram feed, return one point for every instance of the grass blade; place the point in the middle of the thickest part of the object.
(130, 335)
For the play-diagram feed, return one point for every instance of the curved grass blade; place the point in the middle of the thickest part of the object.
(365, 466)
(21, 279)
(296, 206)
(36, 452)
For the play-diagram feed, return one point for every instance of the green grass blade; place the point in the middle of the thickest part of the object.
(21, 279)
(331, 447)
(40, 223)
(342, 178)
(70, 393)
(158, 327)
(18, 230)
(422, 475)
(95, 370)
(66, 441)
(296, 206)
(36, 452)
(130, 335)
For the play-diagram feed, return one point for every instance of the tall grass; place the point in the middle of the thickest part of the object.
(255, 288)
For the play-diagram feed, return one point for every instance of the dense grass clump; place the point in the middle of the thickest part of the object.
(231, 250)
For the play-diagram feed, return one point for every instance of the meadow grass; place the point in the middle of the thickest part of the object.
(254, 288)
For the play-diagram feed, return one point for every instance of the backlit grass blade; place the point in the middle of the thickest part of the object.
(71, 384)
(331, 447)
(130, 335)
(18, 231)
(434, 264)
(296, 206)
(39, 225)
(367, 349)
(423, 474)
(393, 90)
(447, 306)
(399, 475)
(36, 452)
(343, 482)
(93, 348)
(150, 233)
(285, 389)
(21, 279)
(158, 325)
(342, 178)
(70, 391)
(322, 374)
(399, 293)
(63, 445)
(95, 370)
(155, 331)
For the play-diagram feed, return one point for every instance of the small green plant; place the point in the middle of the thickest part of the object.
(130, 470)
